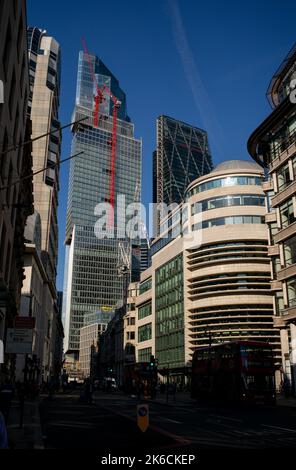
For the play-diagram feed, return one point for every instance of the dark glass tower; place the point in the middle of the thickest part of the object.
(182, 155)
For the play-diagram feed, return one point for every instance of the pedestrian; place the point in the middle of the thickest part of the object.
(174, 389)
(21, 396)
(88, 391)
(286, 387)
(6, 395)
(3, 433)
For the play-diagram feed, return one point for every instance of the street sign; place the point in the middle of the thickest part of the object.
(19, 341)
(143, 417)
(24, 322)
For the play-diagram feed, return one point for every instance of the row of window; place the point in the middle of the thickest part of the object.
(145, 332)
(145, 310)
(238, 219)
(228, 201)
(226, 181)
(144, 354)
(145, 286)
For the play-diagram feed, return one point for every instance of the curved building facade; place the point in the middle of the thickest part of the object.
(228, 275)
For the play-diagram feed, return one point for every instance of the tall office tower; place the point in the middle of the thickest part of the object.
(182, 155)
(91, 280)
(43, 108)
(16, 201)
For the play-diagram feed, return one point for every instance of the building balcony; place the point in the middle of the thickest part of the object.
(267, 186)
(285, 154)
(285, 233)
(283, 195)
(273, 250)
(270, 217)
(278, 322)
(286, 272)
(289, 315)
(275, 285)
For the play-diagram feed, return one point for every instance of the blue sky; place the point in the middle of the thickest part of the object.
(206, 63)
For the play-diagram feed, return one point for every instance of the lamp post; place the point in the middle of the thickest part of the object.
(168, 376)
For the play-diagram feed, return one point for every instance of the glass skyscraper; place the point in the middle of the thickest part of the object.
(182, 155)
(91, 281)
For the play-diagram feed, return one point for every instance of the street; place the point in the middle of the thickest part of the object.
(110, 423)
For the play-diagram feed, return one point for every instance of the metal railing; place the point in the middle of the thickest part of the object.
(276, 151)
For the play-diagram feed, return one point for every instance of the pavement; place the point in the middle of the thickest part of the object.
(29, 436)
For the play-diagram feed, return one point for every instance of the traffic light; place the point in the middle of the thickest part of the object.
(152, 361)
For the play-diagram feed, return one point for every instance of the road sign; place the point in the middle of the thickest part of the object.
(143, 417)
(19, 341)
(24, 322)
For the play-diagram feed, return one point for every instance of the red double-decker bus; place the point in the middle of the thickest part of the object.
(238, 372)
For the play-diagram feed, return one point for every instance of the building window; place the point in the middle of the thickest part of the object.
(287, 214)
(145, 286)
(144, 354)
(130, 335)
(279, 303)
(238, 219)
(269, 196)
(144, 311)
(283, 177)
(290, 251)
(228, 181)
(276, 265)
(145, 332)
(291, 292)
(228, 201)
(169, 312)
(273, 230)
(131, 321)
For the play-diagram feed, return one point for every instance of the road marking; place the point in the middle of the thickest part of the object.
(226, 417)
(72, 425)
(277, 427)
(171, 420)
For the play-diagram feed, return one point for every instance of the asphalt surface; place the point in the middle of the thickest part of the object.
(110, 425)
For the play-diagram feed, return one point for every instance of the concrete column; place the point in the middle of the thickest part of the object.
(285, 354)
(293, 343)
(293, 356)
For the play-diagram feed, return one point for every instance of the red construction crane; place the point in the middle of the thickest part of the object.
(98, 98)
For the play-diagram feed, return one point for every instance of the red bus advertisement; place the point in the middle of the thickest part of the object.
(238, 372)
